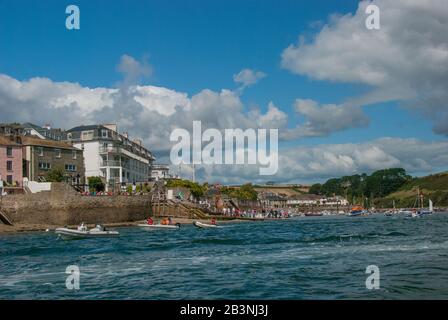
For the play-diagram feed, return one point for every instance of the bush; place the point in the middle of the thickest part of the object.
(196, 189)
(96, 184)
(55, 175)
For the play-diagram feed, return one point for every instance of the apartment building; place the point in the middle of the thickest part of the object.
(111, 155)
(11, 170)
(41, 156)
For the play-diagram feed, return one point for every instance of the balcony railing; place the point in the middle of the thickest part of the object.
(109, 150)
(111, 163)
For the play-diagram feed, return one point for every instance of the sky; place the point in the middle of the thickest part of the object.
(345, 99)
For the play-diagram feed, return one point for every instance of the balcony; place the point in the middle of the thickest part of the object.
(110, 163)
(109, 150)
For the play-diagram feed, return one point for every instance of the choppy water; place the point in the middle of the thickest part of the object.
(304, 258)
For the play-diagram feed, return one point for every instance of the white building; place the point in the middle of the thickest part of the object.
(316, 200)
(111, 155)
(159, 172)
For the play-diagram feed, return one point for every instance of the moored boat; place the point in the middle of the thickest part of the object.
(205, 225)
(357, 211)
(314, 214)
(159, 226)
(82, 232)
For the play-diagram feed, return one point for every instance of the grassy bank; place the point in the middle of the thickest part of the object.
(434, 187)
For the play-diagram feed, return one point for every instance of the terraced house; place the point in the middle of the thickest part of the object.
(11, 172)
(41, 156)
(111, 155)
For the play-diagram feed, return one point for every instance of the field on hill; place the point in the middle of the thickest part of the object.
(434, 187)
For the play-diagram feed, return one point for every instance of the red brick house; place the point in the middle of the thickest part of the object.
(11, 163)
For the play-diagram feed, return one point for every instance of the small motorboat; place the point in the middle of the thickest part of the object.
(159, 226)
(82, 232)
(357, 211)
(314, 214)
(205, 225)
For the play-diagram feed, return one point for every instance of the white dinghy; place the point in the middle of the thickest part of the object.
(205, 225)
(82, 232)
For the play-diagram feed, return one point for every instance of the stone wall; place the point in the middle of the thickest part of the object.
(64, 206)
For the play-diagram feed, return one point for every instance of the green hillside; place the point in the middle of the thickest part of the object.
(434, 187)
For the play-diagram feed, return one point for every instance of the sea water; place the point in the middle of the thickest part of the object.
(302, 258)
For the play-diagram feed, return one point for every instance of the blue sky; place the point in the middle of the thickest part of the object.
(195, 45)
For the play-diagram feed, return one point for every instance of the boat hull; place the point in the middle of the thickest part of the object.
(204, 225)
(68, 234)
(159, 226)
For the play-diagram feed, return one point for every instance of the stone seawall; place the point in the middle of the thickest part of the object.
(64, 206)
(46, 208)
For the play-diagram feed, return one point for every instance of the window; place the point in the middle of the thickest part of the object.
(44, 166)
(9, 151)
(9, 179)
(57, 153)
(104, 133)
(9, 165)
(70, 167)
(87, 135)
(40, 151)
(74, 154)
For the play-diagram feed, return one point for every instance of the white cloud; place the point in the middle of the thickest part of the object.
(248, 77)
(133, 70)
(308, 164)
(148, 112)
(321, 120)
(406, 60)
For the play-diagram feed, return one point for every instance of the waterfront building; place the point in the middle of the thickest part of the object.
(110, 155)
(271, 199)
(11, 170)
(41, 156)
(159, 172)
(315, 200)
(8, 129)
(334, 201)
(45, 132)
(304, 200)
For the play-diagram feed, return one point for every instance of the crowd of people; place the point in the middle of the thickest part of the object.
(254, 213)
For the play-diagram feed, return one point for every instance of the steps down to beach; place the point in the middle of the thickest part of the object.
(4, 218)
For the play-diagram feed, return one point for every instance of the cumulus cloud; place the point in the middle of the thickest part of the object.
(133, 70)
(248, 77)
(321, 120)
(406, 60)
(148, 112)
(309, 164)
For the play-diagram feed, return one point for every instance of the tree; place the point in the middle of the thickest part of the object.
(96, 184)
(315, 189)
(55, 175)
